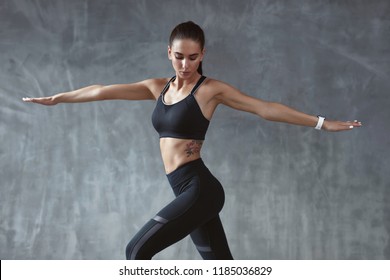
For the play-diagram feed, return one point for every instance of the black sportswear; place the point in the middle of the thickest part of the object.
(183, 120)
(194, 211)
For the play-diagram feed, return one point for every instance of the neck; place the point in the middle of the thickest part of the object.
(180, 82)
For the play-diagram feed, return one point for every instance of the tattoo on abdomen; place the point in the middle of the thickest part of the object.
(193, 147)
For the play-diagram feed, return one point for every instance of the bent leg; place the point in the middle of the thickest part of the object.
(138, 248)
(210, 241)
(159, 233)
(177, 220)
(199, 199)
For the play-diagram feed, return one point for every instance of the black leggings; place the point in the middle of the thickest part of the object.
(194, 211)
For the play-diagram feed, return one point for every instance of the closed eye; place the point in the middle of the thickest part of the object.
(193, 57)
(181, 56)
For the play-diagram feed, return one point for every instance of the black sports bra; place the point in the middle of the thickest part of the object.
(183, 119)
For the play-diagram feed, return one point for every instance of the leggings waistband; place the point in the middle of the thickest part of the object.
(186, 171)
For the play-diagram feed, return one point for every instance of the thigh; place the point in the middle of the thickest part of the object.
(210, 241)
(174, 222)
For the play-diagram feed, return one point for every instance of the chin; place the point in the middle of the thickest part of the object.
(186, 75)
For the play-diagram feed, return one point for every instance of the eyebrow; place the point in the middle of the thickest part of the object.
(183, 54)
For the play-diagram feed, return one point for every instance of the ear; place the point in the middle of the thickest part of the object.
(202, 54)
(169, 53)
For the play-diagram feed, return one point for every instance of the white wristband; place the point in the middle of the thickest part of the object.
(320, 123)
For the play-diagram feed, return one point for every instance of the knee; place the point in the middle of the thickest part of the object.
(134, 252)
(140, 246)
(130, 251)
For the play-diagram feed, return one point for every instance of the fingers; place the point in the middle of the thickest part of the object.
(40, 100)
(353, 124)
(33, 100)
(27, 99)
(342, 125)
(349, 125)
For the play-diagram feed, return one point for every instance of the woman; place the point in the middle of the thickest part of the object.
(184, 108)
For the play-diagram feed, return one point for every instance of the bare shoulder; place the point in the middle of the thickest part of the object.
(212, 88)
(218, 89)
(215, 86)
(214, 92)
(226, 94)
(211, 94)
(155, 85)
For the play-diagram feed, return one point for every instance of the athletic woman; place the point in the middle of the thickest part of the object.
(185, 105)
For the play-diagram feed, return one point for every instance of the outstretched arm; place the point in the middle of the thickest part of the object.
(137, 91)
(273, 111)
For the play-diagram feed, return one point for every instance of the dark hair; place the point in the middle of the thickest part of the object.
(189, 30)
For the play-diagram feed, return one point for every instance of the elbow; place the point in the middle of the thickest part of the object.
(273, 111)
(98, 92)
(264, 115)
(265, 112)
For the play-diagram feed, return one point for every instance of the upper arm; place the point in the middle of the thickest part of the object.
(143, 90)
(235, 99)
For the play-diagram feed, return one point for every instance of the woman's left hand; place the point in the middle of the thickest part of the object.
(340, 126)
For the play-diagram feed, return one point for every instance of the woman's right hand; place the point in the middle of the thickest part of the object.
(48, 101)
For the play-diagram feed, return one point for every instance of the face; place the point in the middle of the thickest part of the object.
(186, 56)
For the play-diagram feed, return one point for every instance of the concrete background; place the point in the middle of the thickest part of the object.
(78, 180)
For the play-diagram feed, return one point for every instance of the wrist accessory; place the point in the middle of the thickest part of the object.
(320, 122)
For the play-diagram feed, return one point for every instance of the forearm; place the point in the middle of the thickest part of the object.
(86, 94)
(135, 91)
(281, 113)
(275, 111)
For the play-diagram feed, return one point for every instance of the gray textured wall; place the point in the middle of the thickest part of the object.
(78, 180)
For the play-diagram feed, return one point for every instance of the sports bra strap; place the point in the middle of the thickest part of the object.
(195, 88)
(167, 85)
(201, 80)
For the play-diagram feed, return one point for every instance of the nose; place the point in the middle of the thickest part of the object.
(185, 64)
